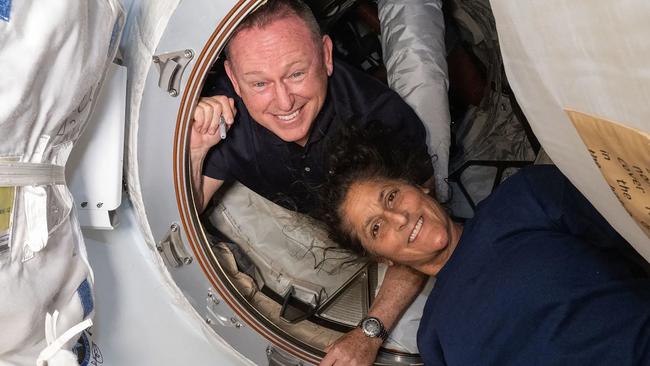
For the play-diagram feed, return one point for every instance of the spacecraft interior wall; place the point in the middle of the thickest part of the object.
(581, 76)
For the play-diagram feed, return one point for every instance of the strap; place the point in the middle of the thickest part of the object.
(55, 345)
(14, 174)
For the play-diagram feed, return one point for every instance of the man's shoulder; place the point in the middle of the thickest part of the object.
(218, 84)
(356, 84)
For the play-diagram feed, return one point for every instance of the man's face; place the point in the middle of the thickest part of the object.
(281, 75)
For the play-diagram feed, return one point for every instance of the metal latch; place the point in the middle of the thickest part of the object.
(172, 249)
(279, 358)
(170, 68)
(216, 315)
(300, 301)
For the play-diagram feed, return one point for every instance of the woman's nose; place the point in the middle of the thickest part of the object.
(399, 218)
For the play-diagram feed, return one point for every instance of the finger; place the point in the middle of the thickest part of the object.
(216, 109)
(197, 124)
(207, 115)
(230, 113)
(226, 110)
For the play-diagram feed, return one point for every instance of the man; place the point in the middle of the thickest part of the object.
(285, 101)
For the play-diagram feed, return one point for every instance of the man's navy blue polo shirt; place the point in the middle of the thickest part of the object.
(285, 172)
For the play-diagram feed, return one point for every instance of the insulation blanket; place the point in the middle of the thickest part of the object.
(53, 58)
(413, 46)
(290, 249)
(580, 72)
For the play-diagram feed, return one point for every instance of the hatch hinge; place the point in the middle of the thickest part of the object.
(171, 66)
(172, 249)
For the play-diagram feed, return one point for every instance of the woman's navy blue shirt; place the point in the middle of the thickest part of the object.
(538, 278)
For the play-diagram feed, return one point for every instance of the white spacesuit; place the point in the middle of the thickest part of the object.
(54, 54)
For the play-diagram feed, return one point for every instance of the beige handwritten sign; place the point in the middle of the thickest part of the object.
(623, 156)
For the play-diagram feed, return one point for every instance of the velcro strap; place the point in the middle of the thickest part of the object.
(13, 174)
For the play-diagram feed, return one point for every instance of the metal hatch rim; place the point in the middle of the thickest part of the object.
(189, 217)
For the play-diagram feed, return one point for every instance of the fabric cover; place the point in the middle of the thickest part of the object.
(413, 46)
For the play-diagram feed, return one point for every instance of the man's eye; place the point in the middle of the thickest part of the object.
(297, 74)
(259, 84)
(375, 229)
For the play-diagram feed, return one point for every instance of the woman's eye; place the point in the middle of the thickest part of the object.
(390, 198)
(375, 229)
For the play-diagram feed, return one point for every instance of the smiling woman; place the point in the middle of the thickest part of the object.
(536, 277)
(399, 221)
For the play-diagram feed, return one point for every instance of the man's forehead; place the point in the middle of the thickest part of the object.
(287, 25)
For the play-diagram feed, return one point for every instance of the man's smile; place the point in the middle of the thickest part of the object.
(288, 117)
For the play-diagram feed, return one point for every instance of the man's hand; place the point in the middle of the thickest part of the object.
(204, 135)
(205, 125)
(352, 349)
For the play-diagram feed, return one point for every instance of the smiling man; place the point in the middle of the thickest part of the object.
(283, 101)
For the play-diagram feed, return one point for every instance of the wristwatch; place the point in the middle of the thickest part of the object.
(373, 327)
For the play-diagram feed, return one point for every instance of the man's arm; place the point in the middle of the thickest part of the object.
(204, 187)
(400, 287)
(203, 135)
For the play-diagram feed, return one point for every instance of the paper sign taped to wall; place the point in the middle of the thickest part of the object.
(623, 156)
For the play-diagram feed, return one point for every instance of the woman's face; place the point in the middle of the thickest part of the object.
(400, 222)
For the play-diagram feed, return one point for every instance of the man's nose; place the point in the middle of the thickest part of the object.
(398, 218)
(283, 96)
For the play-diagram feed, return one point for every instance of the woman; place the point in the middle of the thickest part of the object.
(536, 277)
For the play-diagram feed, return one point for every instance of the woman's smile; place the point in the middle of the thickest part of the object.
(400, 222)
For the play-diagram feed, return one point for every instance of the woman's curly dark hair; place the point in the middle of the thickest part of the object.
(364, 154)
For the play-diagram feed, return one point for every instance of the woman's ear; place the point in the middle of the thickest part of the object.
(425, 189)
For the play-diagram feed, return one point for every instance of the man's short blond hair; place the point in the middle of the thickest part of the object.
(274, 10)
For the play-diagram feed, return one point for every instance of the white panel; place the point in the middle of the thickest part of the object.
(589, 56)
(94, 169)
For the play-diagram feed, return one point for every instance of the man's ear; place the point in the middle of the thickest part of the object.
(231, 75)
(327, 54)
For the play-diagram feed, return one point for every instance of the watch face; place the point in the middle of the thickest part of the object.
(371, 327)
